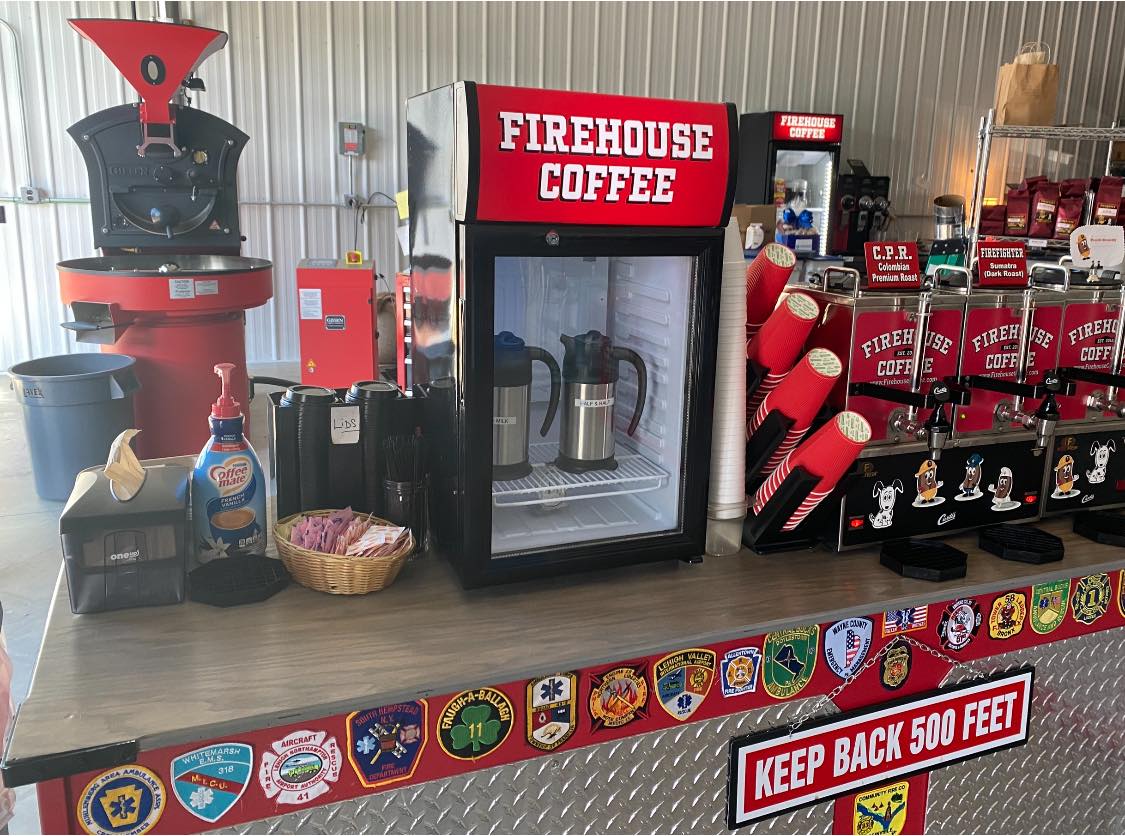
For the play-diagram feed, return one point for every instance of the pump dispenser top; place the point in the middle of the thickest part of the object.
(226, 406)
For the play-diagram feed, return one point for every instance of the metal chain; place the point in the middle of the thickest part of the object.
(814, 707)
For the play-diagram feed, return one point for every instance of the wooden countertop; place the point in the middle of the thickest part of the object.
(171, 675)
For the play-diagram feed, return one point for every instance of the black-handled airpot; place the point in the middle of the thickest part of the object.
(511, 403)
(590, 373)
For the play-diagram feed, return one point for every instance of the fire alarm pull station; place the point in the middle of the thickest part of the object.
(352, 139)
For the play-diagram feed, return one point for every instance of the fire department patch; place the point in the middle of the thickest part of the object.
(881, 810)
(1091, 598)
(386, 743)
(905, 621)
(209, 781)
(618, 697)
(1048, 605)
(846, 644)
(1121, 593)
(683, 680)
(551, 710)
(959, 624)
(790, 659)
(474, 723)
(894, 667)
(300, 767)
(1008, 614)
(128, 799)
(739, 671)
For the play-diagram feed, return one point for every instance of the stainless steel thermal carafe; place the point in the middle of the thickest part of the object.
(511, 403)
(590, 372)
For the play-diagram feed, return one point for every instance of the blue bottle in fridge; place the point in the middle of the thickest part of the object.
(228, 489)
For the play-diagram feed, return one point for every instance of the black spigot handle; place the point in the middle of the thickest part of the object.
(1004, 387)
(544, 356)
(630, 356)
(889, 393)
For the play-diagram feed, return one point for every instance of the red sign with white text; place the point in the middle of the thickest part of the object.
(586, 158)
(892, 265)
(780, 770)
(808, 127)
(1002, 264)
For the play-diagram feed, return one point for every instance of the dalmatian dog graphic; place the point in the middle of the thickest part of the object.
(1100, 452)
(884, 496)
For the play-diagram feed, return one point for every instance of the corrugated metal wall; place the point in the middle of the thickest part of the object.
(911, 78)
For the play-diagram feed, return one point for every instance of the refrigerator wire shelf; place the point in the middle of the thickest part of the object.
(548, 484)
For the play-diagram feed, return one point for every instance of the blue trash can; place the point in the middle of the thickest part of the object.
(74, 405)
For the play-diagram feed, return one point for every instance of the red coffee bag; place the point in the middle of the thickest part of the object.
(1044, 206)
(1107, 200)
(1069, 216)
(1016, 211)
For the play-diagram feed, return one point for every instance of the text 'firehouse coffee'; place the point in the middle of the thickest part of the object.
(609, 138)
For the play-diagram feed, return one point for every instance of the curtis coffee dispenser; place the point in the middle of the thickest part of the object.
(591, 226)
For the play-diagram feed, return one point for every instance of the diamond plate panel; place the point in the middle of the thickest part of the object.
(1069, 778)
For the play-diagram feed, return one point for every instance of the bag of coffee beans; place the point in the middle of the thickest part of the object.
(1107, 200)
(1069, 216)
(1015, 217)
(1043, 208)
(992, 220)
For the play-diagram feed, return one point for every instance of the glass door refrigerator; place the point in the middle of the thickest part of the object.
(566, 252)
(791, 160)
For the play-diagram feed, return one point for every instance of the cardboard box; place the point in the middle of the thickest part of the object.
(748, 213)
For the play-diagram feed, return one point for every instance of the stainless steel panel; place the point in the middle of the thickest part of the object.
(1069, 778)
(912, 82)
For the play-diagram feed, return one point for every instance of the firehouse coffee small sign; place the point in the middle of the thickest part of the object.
(808, 127)
(1002, 264)
(563, 157)
(892, 265)
(776, 771)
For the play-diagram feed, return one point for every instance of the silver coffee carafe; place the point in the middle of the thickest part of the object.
(511, 403)
(590, 373)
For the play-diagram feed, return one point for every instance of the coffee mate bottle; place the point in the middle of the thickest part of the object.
(228, 490)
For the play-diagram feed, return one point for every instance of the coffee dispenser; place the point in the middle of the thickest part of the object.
(511, 403)
(590, 374)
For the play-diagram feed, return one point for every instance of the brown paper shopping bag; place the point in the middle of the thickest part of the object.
(1027, 89)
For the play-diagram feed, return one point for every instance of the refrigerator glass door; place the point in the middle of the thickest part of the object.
(609, 463)
(803, 179)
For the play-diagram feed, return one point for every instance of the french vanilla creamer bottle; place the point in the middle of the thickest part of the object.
(228, 490)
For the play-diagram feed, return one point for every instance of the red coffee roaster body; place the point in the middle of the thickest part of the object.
(170, 287)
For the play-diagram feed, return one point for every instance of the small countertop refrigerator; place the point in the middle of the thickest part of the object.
(566, 256)
(791, 160)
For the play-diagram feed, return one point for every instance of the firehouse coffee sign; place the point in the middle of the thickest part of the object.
(564, 157)
(780, 770)
(892, 265)
(808, 127)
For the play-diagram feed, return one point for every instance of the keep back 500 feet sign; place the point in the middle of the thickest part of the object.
(780, 770)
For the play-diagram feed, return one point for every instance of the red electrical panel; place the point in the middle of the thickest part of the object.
(336, 316)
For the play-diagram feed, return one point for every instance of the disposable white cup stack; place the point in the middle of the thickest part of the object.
(726, 505)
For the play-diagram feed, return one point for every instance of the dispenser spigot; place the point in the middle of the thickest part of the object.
(1046, 415)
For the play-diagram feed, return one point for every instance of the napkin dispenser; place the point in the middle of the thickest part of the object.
(126, 542)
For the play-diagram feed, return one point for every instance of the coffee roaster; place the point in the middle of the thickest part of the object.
(169, 287)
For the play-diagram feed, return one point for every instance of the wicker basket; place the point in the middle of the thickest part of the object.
(336, 573)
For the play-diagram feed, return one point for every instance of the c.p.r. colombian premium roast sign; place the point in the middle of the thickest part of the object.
(563, 157)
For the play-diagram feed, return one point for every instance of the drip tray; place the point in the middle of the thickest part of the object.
(1023, 543)
(547, 484)
(927, 560)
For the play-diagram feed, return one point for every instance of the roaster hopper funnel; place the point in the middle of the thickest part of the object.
(154, 57)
